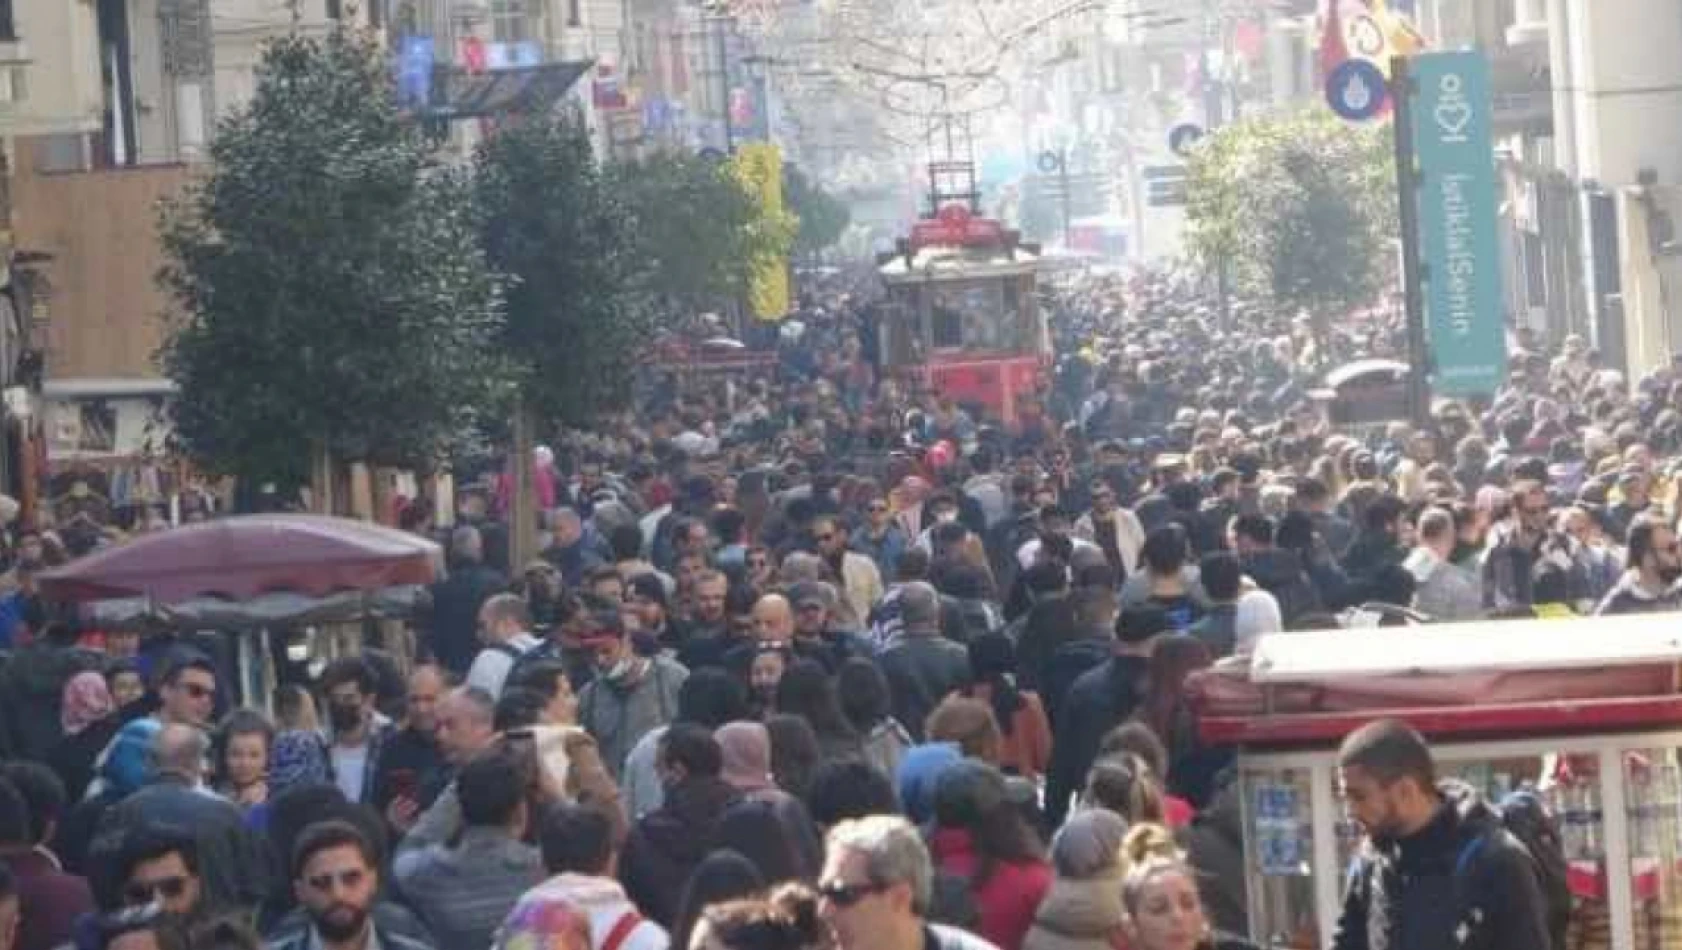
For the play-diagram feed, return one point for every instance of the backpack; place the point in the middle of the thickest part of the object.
(1526, 817)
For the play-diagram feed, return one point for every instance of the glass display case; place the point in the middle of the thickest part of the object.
(1501, 717)
(1299, 842)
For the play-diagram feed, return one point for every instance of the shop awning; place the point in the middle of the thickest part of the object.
(459, 94)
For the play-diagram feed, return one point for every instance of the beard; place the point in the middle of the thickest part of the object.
(341, 922)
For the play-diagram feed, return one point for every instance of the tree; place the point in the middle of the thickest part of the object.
(823, 217)
(697, 229)
(1303, 207)
(553, 222)
(329, 288)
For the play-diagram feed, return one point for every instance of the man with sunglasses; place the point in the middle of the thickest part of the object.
(1649, 585)
(187, 691)
(161, 866)
(1529, 563)
(880, 538)
(336, 878)
(861, 580)
(876, 886)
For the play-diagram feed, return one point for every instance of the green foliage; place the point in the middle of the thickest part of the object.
(823, 217)
(554, 223)
(1302, 206)
(697, 229)
(328, 282)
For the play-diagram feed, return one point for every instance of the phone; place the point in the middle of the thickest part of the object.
(404, 783)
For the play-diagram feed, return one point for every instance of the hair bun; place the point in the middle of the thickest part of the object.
(1148, 842)
(799, 904)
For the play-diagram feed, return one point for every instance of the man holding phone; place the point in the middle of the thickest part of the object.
(409, 768)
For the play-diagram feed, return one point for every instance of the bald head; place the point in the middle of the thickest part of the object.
(180, 750)
(773, 619)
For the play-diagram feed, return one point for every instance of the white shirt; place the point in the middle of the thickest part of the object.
(491, 667)
(349, 762)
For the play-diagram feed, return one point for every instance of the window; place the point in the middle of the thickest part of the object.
(8, 26)
(575, 13)
(510, 21)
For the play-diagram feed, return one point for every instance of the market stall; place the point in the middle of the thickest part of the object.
(1587, 713)
(249, 575)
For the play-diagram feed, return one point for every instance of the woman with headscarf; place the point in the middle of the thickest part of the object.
(745, 749)
(88, 717)
(1024, 731)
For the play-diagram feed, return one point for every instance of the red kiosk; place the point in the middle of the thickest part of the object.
(1589, 713)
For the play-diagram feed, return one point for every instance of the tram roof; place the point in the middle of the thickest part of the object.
(943, 262)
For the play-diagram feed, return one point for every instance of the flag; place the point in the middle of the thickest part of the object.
(1376, 33)
(1399, 32)
(1333, 48)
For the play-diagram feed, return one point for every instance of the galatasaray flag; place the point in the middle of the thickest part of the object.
(1374, 32)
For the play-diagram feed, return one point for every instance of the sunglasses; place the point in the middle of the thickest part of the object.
(846, 895)
(145, 892)
(347, 879)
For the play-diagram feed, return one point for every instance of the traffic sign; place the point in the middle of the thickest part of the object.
(1184, 137)
(1356, 90)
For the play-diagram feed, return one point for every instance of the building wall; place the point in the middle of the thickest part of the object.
(101, 229)
(59, 42)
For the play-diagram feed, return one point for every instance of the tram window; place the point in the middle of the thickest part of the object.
(969, 316)
(947, 329)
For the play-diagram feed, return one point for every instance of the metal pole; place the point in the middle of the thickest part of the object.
(724, 86)
(1413, 269)
(1063, 182)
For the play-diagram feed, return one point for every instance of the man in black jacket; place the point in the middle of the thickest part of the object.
(1438, 868)
(1101, 699)
(453, 630)
(921, 666)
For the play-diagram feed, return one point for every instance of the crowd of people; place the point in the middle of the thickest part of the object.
(827, 660)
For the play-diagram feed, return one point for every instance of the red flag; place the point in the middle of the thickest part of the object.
(1333, 49)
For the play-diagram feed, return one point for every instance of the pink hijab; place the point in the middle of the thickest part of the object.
(87, 700)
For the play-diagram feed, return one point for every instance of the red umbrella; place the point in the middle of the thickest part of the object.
(242, 557)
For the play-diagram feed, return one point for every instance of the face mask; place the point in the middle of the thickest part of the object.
(645, 643)
(621, 670)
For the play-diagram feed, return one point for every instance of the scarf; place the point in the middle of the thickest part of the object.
(87, 700)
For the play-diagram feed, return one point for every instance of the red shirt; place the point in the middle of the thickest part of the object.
(1010, 896)
(1177, 811)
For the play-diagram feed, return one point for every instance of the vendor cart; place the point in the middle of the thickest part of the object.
(1587, 713)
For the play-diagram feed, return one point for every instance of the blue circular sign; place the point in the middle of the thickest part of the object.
(1356, 90)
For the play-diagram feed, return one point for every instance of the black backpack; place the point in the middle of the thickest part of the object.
(1527, 818)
